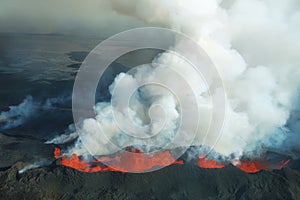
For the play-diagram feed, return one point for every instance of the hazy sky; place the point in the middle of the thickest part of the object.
(63, 16)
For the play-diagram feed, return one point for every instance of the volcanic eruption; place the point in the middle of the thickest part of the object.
(259, 71)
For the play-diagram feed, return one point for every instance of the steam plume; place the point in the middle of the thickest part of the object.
(255, 46)
(17, 115)
(27, 109)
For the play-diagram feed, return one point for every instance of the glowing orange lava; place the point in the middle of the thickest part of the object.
(209, 164)
(138, 162)
(56, 153)
(124, 162)
(76, 163)
(252, 166)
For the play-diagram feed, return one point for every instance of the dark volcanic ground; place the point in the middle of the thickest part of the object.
(174, 182)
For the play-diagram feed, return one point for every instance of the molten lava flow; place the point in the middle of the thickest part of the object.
(252, 166)
(124, 162)
(138, 162)
(56, 153)
(203, 163)
(247, 166)
(258, 165)
(76, 163)
(135, 161)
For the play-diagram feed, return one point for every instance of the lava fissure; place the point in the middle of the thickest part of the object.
(139, 162)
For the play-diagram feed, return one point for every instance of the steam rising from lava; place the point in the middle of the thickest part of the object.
(255, 46)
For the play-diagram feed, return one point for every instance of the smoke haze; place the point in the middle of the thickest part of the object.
(29, 108)
(254, 44)
(64, 16)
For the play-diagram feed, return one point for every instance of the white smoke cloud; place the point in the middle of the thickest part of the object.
(69, 135)
(254, 44)
(17, 115)
(27, 109)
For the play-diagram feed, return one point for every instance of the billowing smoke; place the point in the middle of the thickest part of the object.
(17, 115)
(29, 108)
(255, 46)
(69, 135)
